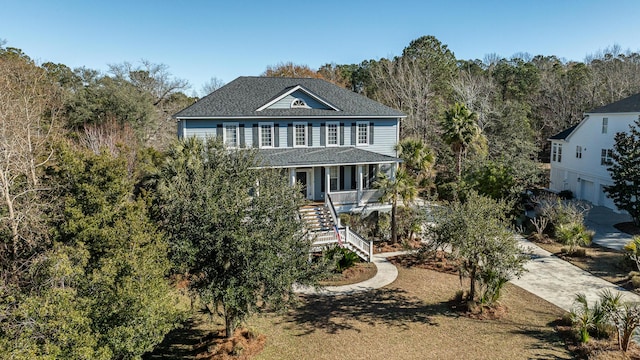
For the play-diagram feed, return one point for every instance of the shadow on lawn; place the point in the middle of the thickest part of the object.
(548, 339)
(383, 306)
(180, 343)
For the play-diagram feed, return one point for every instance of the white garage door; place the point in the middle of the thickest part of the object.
(605, 200)
(586, 190)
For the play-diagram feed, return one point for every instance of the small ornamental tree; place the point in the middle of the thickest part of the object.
(625, 172)
(233, 228)
(487, 251)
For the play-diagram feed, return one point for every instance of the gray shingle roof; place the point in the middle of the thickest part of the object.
(563, 134)
(629, 104)
(317, 156)
(242, 96)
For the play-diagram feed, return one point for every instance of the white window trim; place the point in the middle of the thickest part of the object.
(578, 151)
(306, 134)
(606, 159)
(302, 104)
(260, 125)
(556, 152)
(224, 133)
(326, 137)
(358, 143)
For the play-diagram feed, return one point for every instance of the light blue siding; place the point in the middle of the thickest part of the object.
(384, 134)
(285, 103)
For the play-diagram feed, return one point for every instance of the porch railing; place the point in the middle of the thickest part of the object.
(352, 196)
(349, 238)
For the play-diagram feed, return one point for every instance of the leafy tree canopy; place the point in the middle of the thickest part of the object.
(233, 228)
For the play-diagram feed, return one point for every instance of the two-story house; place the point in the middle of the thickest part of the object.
(581, 154)
(329, 139)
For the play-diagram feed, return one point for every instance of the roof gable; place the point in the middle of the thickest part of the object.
(244, 96)
(298, 92)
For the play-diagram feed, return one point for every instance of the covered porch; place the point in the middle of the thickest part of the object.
(347, 173)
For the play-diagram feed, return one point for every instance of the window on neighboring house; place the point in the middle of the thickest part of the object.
(556, 152)
(579, 152)
(605, 125)
(266, 134)
(362, 135)
(230, 135)
(300, 134)
(334, 178)
(332, 133)
(606, 157)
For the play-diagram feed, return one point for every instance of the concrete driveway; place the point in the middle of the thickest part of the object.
(558, 281)
(601, 220)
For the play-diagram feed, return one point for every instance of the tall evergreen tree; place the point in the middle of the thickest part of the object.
(625, 172)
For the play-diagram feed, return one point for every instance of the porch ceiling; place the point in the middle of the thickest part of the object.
(322, 156)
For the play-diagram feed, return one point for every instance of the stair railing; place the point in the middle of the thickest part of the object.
(334, 214)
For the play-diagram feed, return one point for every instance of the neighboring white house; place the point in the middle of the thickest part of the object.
(329, 139)
(581, 154)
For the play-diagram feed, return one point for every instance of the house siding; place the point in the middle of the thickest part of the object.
(584, 176)
(382, 131)
(285, 102)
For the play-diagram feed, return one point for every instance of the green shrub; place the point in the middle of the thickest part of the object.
(343, 257)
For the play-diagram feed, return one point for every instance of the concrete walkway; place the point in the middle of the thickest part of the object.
(386, 274)
(548, 277)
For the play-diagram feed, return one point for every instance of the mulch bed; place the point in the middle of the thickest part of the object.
(242, 346)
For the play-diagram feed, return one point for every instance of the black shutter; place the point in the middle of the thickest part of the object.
(256, 141)
(342, 179)
(371, 133)
(310, 135)
(322, 175)
(276, 135)
(290, 135)
(354, 130)
(242, 142)
(341, 133)
(323, 135)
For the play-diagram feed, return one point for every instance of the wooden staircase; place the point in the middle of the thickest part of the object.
(321, 226)
(316, 217)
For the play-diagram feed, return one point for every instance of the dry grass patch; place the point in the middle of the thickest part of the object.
(411, 319)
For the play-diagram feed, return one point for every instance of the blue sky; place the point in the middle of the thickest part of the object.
(199, 40)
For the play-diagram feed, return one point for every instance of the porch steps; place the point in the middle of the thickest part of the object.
(316, 217)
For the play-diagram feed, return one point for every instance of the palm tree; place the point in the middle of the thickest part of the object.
(417, 157)
(574, 234)
(402, 187)
(460, 131)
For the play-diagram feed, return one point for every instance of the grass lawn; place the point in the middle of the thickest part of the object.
(410, 319)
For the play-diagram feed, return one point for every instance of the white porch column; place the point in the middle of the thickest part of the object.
(292, 175)
(327, 180)
(359, 184)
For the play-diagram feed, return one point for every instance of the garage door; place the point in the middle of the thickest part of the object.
(605, 200)
(586, 190)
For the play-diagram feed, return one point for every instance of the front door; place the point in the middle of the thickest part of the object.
(304, 178)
